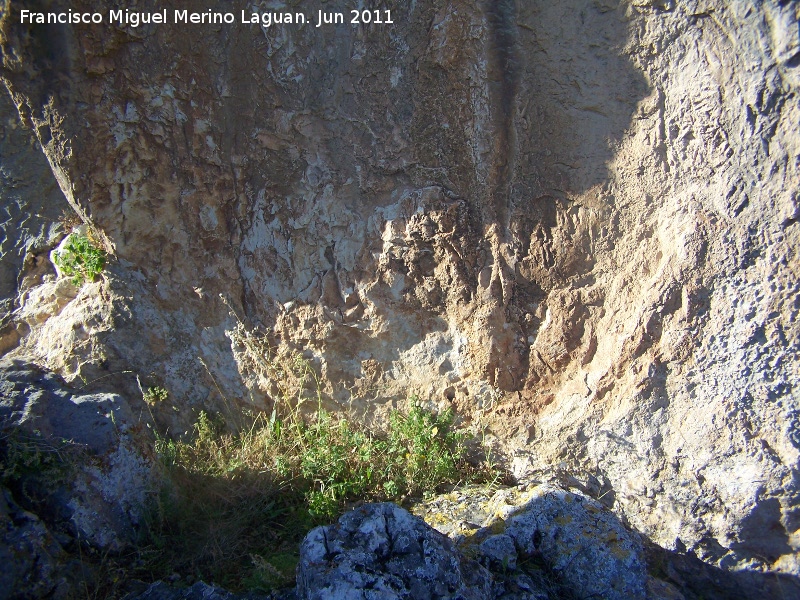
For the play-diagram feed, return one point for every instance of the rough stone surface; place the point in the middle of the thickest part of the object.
(576, 222)
(500, 551)
(478, 519)
(382, 551)
(583, 543)
(109, 481)
(31, 204)
(199, 591)
(34, 563)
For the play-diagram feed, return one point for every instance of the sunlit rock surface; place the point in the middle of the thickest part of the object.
(576, 222)
(383, 551)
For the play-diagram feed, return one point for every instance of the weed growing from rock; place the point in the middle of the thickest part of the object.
(153, 396)
(24, 457)
(80, 259)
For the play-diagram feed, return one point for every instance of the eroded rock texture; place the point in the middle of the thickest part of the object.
(73, 460)
(31, 205)
(576, 221)
(580, 541)
(382, 551)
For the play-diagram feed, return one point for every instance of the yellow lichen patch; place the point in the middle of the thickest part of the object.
(564, 519)
(620, 552)
(434, 519)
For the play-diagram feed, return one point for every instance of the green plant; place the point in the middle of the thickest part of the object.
(426, 451)
(275, 572)
(80, 259)
(238, 504)
(34, 467)
(240, 497)
(23, 455)
(155, 395)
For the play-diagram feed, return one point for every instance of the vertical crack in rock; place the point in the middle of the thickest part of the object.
(328, 554)
(503, 79)
(504, 86)
(389, 537)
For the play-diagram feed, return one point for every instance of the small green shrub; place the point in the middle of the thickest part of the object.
(22, 455)
(239, 504)
(426, 452)
(154, 396)
(277, 572)
(80, 259)
(34, 467)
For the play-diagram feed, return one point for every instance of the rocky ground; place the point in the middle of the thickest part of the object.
(79, 478)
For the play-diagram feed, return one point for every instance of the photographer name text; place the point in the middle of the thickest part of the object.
(130, 18)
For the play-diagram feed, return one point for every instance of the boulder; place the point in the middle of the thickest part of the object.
(33, 562)
(382, 551)
(73, 457)
(578, 546)
(583, 542)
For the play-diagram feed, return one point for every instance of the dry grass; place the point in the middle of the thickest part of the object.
(237, 505)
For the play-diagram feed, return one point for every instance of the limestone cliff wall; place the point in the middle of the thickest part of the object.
(574, 221)
(31, 205)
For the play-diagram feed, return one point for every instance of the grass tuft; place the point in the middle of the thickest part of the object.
(238, 504)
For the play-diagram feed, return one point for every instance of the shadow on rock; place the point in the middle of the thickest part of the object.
(697, 579)
(72, 459)
(572, 546)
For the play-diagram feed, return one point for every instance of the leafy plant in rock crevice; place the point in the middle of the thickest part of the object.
(24, 456)
(80, 259)
(155, 395)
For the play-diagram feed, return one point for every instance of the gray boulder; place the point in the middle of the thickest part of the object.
(577, 546)
(74, 456)
(33, 562)
(380, 551)
(595, 555)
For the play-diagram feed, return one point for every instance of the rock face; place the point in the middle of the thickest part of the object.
(580, 541)
(382, 551)
(97, 484)
(575, 221)
(31, 204)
